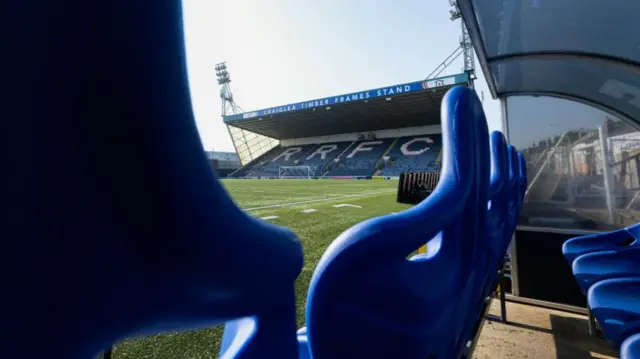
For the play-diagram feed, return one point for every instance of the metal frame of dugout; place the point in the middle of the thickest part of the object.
(581, 149)
(544, 225)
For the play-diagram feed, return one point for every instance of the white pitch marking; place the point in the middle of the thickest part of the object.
(321, 200)
(346, 205)
(269, 217)
(309, 210)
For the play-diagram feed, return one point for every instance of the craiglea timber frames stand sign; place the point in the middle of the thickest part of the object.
(356, 96)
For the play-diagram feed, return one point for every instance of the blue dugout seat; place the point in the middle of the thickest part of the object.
(615, 303)
(513, 189)
(607, 268)
(115, 225)
(600, 242)
(593, 267)
(522, 182)
(489, 257)
(630, 348)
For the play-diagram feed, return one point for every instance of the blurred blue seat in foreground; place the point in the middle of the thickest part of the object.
(118, 227)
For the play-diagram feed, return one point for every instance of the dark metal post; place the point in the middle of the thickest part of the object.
(503, 301)
(107, 354)
(592, 323)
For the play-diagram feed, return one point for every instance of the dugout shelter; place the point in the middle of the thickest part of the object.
(566, 76)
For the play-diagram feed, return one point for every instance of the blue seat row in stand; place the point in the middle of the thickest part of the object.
(115, 225)
(607, 269)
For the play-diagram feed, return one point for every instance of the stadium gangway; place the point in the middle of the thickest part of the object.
(93, 256)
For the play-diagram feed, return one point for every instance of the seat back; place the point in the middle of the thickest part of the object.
(522, 182)
(498, 216)
(118, 226)
(364, 289)
(491, 241)
(514, 190)
(608, 241)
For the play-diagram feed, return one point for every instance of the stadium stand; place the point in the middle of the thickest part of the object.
(323, 156)
(283, 156)
(361, 160)
(356, 158)
(245, 170)
(317, 156)
(383, 132)
(413, 154)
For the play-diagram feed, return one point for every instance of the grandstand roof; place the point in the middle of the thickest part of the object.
(405, 105)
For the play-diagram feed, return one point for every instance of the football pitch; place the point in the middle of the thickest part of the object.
(317, 210)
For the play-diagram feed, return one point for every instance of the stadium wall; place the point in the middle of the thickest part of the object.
(398, 132)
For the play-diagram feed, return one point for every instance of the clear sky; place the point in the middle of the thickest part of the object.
(284, 51)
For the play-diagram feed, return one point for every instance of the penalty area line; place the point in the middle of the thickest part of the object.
(346, 205)
(321, 200)
(268, 218)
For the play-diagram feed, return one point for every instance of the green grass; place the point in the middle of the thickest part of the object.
(316, 231)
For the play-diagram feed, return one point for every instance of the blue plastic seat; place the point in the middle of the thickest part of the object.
(498, 211)
(514, 190)
(609, 241)
(365, 291)
(593, 267)
(493, 242)
(615, 303)
(523, 181)
(114, 222)
(630, 348)
(507, 183)
(489, 259)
